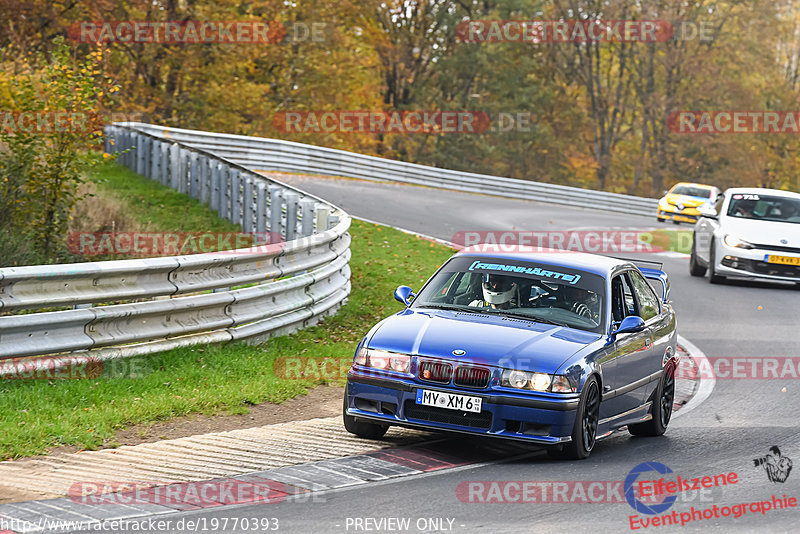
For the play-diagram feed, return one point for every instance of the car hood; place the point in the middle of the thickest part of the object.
(687, 201)
(763, 232)
(488, 340)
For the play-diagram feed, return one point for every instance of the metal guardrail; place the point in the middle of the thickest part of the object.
(299, 279)
(286, 156)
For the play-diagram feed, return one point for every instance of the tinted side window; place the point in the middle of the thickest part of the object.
(648, 302)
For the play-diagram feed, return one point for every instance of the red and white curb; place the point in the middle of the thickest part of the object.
(271, 486)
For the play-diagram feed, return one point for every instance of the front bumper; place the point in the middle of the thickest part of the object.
(531, 418)
(689, 215)
(751, 264)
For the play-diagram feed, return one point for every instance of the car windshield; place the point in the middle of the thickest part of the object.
(539, 292)
(765, 208)
(691, 191)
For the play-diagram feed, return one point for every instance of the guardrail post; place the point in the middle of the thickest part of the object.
(183, 170)
(275, 210)
(155, 160)
(203, 178)
(128, 151)
(248, 206)
(322, 214)
(109, 134)
(174, 164)
(165, 164)
(194, 176)
(224, 206)
(216, 183)
(291, 216)
(122, 142)
(307, 206)
(261, 207)
(146, 142)
(236, 197)
(139, 140)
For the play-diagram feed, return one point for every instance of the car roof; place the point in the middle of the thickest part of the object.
(761, 191)
(591, 263)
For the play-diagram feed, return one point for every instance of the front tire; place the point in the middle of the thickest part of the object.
(662, 399)
(584, 432)
(695, 269)
(362, 429)
(713, 277)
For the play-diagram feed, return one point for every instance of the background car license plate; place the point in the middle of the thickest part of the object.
(450, 401)
(785, 260)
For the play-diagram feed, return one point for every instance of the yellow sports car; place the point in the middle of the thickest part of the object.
(680, 203)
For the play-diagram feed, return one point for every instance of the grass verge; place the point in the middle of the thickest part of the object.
(154, 206)
(41, 414)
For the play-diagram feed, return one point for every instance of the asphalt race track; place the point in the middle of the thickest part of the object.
(738, 423)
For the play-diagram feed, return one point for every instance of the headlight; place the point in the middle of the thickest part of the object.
(733, 241)
(516, 379)
(536, 381)
(663, 203)
(384, 360)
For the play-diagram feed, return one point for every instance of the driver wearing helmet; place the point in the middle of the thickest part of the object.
(746, 209)
(498, 292)
(581, 302)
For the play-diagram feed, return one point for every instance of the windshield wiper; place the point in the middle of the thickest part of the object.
(450, 307)
(533, 318)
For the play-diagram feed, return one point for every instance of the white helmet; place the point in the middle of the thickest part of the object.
(497, 289)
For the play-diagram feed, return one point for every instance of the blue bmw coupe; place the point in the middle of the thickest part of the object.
(550, 347)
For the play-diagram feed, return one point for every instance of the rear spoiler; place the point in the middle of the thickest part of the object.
(659, 276)
(653, 274)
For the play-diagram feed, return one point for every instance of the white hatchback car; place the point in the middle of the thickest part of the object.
(749, 233)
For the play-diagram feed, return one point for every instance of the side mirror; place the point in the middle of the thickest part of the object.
(705, 210)
(630, 324)
(402, 294)
(666, 192)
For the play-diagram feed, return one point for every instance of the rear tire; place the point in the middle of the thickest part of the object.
(695, 269)
(713, 277)
(584, 432)
(662, 399)
(362, 429)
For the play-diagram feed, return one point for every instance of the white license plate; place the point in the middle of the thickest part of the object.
(451, 401)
